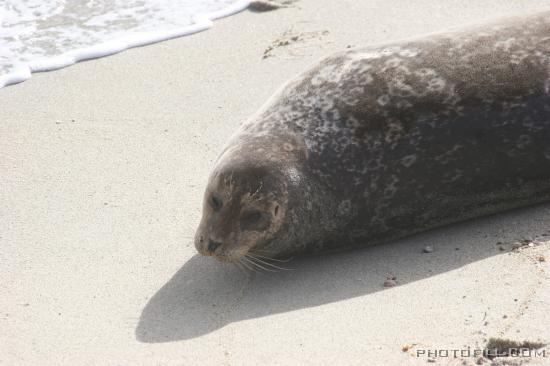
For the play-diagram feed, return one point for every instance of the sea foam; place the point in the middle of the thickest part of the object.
(38, 35)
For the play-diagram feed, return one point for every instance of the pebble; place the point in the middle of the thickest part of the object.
(264, 5)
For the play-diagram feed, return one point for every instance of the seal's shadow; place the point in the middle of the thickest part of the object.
(204, 296)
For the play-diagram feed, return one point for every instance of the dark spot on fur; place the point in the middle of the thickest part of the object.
(216, 203)
(254, 220)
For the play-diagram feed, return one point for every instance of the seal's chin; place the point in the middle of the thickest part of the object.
(231, 256)
(222, 252)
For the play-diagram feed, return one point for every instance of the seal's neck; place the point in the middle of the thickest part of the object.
(312, 217)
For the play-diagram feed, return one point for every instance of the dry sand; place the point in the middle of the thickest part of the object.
(103, 166)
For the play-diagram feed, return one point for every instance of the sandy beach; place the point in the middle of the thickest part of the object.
(103, 167)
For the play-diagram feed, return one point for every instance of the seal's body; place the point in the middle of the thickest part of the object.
(382, 142)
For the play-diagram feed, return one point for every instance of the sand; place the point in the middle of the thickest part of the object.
(103, 166)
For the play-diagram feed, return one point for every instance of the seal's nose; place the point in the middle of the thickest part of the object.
(213, 245)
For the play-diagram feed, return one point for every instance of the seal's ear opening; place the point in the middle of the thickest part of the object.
(276, 210)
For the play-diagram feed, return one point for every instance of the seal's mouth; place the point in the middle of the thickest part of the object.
(254, 261)
(218, 250)
(251, 259)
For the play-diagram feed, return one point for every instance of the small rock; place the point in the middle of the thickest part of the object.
(428, 249)
(264, 5)
(541, 258)
(480, 361)
(390, 283)
(516, 246)
(504, 316)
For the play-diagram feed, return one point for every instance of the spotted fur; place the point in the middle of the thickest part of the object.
(399, 138)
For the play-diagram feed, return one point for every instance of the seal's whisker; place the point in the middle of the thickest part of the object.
(247, 266)
(249, 259)
(269, 264)
(250, 265)
(254, 253)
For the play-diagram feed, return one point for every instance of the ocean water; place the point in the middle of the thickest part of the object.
(43, 35)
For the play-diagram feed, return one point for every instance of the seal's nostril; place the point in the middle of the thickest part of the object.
(201, 239)
(213, 245)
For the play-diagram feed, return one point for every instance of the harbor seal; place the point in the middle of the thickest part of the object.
(377, 143)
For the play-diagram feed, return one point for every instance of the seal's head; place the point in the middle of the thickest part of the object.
(246, 200)
(244, 207)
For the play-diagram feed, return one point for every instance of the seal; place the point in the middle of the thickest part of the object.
(374, 144)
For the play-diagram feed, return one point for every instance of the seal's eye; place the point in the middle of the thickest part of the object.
(251, 219)
(216, 203)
